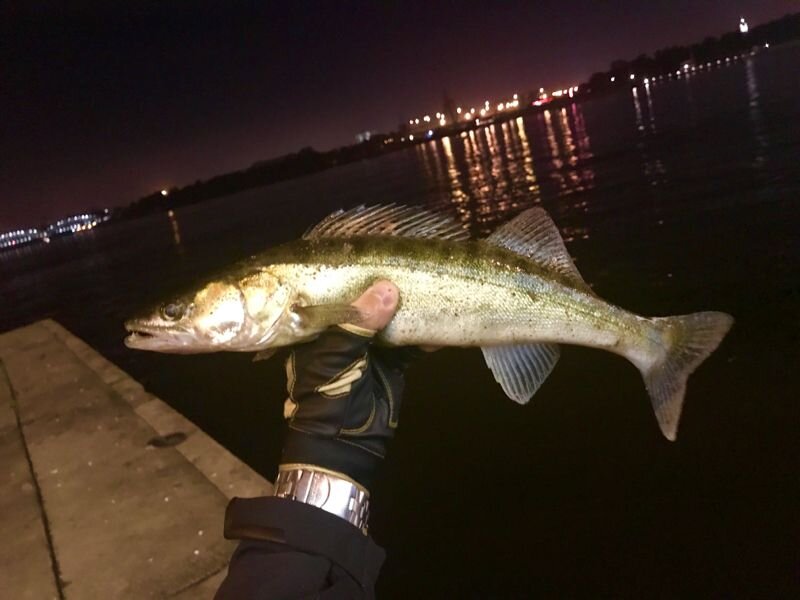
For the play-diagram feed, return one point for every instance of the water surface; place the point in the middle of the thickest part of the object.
(673, 197)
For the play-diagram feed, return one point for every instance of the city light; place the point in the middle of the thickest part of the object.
(411, 137)
(164, 192)
(66, 226)
(743, 26)
(486, 112)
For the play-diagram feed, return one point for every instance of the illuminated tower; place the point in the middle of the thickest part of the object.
(743, 27)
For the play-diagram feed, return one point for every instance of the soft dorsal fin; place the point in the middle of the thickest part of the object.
(533, 234)
(391, 219)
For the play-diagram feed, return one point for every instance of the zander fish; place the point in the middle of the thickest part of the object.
(515, 294)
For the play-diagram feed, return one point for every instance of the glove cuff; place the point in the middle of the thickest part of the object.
(332, 454)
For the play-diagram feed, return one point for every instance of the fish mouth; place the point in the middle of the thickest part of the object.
(142, 336)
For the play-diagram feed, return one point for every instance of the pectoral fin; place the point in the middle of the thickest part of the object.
(521, 370)
(264, 354)
(322, 316)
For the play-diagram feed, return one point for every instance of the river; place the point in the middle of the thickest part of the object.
(673, 197)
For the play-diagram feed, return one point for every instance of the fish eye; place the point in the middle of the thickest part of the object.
(173, 311)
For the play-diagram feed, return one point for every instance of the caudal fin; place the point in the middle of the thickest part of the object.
(690, 339)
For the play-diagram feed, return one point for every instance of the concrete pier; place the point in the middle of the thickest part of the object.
(95, 502)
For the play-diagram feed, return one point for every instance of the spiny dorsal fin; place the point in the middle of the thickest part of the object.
(521, 370)
(397, 220)
(533, 234)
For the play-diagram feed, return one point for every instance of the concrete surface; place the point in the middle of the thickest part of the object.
(89, 509)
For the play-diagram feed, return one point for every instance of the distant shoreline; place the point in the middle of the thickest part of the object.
(668, 63)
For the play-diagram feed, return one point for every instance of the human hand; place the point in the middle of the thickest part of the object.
(344, 400)
(345, 394)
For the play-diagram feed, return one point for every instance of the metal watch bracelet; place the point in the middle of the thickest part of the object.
(331, 491)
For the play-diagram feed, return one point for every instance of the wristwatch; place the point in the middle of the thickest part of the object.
(331, 491)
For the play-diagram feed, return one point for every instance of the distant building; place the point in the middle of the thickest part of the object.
(66, 226)
(743, 26)
(20, 237)
(364, 136)
(76, 223)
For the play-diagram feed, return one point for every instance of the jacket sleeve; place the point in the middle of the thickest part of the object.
(293, 550)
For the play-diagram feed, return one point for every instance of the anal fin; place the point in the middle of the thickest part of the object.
(521, 370)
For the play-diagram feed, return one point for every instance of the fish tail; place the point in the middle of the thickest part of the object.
(688, 340)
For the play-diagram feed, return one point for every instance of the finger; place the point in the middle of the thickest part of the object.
(378, 304)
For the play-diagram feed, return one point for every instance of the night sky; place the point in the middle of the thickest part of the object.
(112, 100)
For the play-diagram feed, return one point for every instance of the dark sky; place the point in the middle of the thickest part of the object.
(104, 102)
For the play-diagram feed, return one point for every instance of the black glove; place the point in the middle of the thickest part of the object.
(344, 402)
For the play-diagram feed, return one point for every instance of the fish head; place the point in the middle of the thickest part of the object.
(235, 315)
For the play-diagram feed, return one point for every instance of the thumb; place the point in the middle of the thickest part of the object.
(378, 304)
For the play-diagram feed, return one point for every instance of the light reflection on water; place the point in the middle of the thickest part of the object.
(527, 159)
(756, 119)
(652, 165)
(176, 230)
(491, 173)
